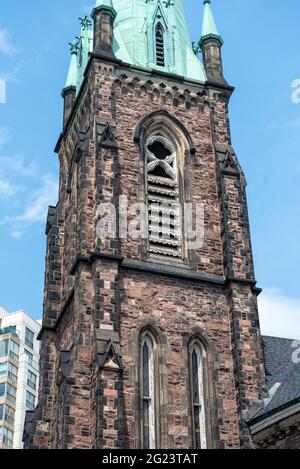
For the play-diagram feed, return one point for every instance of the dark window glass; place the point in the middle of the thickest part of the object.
(14, 350)
(11, 393)
(31, 380)
(146, 425)
(29, 336)
(29, 355)
(9, 415)
(30, 401)
(197, 398)
(195, 377)
(147, 393)
(12, 372)
(146, 370)
(3, 348)
(3, 370)
(146, 397)
(7, 437)
(2, 389)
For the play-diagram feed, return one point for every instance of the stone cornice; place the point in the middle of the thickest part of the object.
(176, 272)
(186, 83)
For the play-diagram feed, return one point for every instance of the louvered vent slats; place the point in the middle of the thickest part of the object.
(160, 47)
(164, 214)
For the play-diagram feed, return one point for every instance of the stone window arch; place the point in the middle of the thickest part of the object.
(197, 359)
(165, 149)
(148, 392)
(207, 358)
(160, 358)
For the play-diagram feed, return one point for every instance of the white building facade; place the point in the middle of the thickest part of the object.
(19, 374)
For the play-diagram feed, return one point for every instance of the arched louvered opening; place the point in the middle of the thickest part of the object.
(160, 45)
(165, 147)
(164, 214)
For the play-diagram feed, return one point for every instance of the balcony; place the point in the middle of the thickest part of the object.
(9, 330)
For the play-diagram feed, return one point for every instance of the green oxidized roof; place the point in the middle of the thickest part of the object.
(85, 47)
(134, 37)
(209, 27)
(107, 3)
(71, 81)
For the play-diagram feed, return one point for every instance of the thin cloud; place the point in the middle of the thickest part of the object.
(5, 136)
(7, 189)
(13, 76)
(37, 206)
(6, 47)
(13, 170)
(16, 176)
(279, 314)
(17, 165)
(17, 234)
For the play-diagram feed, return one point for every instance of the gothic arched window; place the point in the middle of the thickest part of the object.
(164, 209)
(148, 392)
(165, 152)
(197, 395)
(160, 45)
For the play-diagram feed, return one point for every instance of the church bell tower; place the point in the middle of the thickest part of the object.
(150, 335)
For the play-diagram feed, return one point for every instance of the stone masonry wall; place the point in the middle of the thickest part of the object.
(96, 302)
(177, 308)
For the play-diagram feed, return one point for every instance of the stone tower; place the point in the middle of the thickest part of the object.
(150, 335)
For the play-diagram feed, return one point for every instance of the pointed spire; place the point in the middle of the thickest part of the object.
(72, 73)
(69, 91)
(211, 45)
(209, 27)
(84, 46)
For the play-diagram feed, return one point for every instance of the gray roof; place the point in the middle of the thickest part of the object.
(278, 356)
(280, 368)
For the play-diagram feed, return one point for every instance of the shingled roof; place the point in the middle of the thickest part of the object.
(282, 370)
(278, 356)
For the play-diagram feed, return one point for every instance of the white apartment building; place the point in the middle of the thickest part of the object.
(19, 374)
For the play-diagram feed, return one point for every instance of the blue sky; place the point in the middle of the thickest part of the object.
(261, 58)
